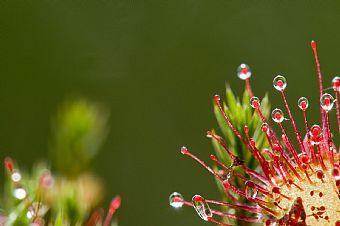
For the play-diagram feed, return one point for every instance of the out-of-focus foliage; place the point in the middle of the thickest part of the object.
(73, 194)
(79, 130)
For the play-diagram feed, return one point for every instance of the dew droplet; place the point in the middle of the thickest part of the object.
(265, 128)
(202, 208)
(255, 102)
(226, 183)
(280, 83)
(315, 134)
(304, 158)
(303, 103)
(243, 72)
(29, 214)
(251, 191)
(336, 83)
(19, 193)
(326, 102)
(16, 176)
(176, 200)
(277, 115)
(184, 150)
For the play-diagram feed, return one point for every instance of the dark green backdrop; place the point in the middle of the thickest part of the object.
(156, 64)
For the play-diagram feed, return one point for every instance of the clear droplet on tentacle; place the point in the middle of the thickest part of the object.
(16, 176)
(303, 103)
(184, 150)
(315, 134)
(265, 128)
(277, 115)
(251, 191)
(243, 72)
(280, 83)
(336, 83)
(255, 102)
(19, 193)
(202, 208)
(304, 158)
(176, 200)
(326, 102)
(226, 184)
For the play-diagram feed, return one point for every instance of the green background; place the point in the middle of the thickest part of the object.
(156, 64)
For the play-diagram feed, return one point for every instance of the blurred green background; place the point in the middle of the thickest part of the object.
(156, 65)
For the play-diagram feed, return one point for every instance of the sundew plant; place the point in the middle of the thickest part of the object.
(264, 177)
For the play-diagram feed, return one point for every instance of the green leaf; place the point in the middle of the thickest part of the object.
(240, 114)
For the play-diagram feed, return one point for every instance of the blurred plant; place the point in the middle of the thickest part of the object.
(264, 179)
(78, 132)
(71, 196)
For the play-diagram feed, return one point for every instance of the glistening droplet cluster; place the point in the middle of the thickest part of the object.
(293, 185)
